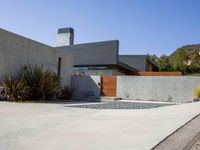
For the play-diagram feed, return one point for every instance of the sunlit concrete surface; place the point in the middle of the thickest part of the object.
(40, 126)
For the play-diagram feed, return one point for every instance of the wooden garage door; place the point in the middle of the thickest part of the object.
(108, 85)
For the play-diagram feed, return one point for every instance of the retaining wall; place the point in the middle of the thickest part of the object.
(157, 73)
(87, 87)
(156, 88)
(176, 89)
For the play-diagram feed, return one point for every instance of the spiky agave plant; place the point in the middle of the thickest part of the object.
(53, 84)
(67, 93)
(15, 89)
(44, 84)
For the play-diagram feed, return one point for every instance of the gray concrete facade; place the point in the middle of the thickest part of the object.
(175, 89)
(17, 51)
(91, 54)
(99, 58)
(136, 61)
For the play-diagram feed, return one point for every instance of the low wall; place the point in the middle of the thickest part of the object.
(156, 88)
(157, 73)
(87, 87)
(176, 89)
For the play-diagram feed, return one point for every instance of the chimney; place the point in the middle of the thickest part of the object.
(65, 37)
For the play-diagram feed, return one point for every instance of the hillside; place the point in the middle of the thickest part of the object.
(191, 47)
(185, 59)
(188, 48)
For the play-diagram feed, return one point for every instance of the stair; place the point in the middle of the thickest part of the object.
(109, 99)
(93, 99)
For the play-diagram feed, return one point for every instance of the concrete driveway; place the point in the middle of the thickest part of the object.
(34, 126)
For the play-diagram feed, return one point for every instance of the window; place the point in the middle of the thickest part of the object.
(59, 65)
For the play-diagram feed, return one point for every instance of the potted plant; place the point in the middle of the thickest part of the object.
(197, 94)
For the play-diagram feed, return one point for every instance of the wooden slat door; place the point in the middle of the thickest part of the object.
(108, 85)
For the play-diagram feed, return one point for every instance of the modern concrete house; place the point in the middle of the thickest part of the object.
(101, 58)
(17, 51)
(98, 58)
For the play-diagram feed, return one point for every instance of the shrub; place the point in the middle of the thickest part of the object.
(67, 93)
(197, 92)
(15, 89)
(44, 84)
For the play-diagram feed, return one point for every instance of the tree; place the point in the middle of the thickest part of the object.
(195, 61)
(180, 60)
(195, 57)
(186, 61)
(152, 58)
(164, 64)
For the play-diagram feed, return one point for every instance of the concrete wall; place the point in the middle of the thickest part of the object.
(108, 72)
(157, 73)
(157, 88)
(87, 87)
(17, 51)
(95, 72)
(99, 53)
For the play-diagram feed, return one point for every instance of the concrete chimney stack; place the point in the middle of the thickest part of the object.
(65, 37)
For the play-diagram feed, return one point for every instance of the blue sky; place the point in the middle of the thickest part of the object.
(141, 26)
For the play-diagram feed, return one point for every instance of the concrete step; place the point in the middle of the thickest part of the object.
(92, 100)
(108, 98)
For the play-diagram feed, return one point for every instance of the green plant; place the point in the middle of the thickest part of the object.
(15, 89)
(197, 92)
(67, 93)
(44, 84)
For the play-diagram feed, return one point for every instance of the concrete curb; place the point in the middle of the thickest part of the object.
(183, 138)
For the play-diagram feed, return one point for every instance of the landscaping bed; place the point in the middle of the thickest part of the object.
(122, 105)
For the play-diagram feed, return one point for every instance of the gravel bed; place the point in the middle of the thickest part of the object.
(122, 105)
(196, 145)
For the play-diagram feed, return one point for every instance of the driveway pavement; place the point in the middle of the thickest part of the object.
(37, 126)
